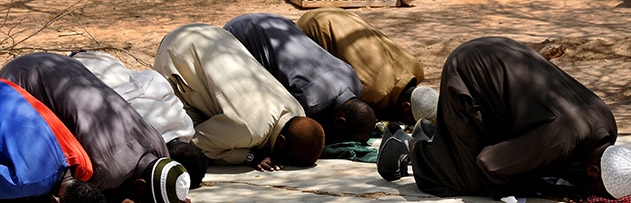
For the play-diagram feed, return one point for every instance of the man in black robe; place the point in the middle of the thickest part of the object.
(507, 118)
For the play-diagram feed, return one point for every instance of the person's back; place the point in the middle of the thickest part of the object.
(322, 83)
(236, 105)
(146, 90)
(537, 122)
(385, 69)
(117, 139)
(150, 94)
(27, 124)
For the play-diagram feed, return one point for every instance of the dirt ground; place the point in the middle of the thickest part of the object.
(595, 32)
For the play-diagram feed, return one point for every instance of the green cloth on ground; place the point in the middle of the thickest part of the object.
(354, 151)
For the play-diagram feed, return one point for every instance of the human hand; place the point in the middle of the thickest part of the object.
(269, 165)
(54, 199)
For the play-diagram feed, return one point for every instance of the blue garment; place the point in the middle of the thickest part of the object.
(31, 159)
(317, 79)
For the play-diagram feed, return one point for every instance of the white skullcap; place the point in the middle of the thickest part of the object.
(170, 181)
(424, 102)
(616, 170)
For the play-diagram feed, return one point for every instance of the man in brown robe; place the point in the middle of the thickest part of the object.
(387, 72)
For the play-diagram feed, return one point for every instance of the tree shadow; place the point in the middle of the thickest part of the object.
(624, 4)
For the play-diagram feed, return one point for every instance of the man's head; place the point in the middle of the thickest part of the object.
(615, 166)
(403, 107)
(416, 102)
(163, 181)
(610, 173)
(424, 102)
(75, 191)
(300, 142)
(353, 121)
(80, 192)
(191, 157)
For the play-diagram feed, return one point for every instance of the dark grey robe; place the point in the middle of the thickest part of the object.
(317, 79)
(506, 117)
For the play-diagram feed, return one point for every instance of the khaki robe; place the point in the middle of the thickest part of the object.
(383, 67)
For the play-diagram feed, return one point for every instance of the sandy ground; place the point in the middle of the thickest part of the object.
(595, 32)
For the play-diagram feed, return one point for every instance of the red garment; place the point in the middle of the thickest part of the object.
(75, 154)
(596, 199)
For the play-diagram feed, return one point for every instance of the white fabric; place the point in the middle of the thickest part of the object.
(147, 91)
(616, 170)
(182, 184)
(512, 199)
(509, 199)
(424, 102)
(235, 103)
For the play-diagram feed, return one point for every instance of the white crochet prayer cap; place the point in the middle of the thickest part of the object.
(424, 102)
(170, 181)
(616, 170)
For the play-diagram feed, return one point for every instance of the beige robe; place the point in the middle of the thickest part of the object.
(235, 104)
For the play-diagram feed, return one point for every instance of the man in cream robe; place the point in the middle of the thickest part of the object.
(235, 104)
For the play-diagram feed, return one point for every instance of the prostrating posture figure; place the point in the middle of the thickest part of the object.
(326, 87)
(388, 73)
(152, 97)
(39, 157)
(241, 113)
(510, 122)
(129, 157)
